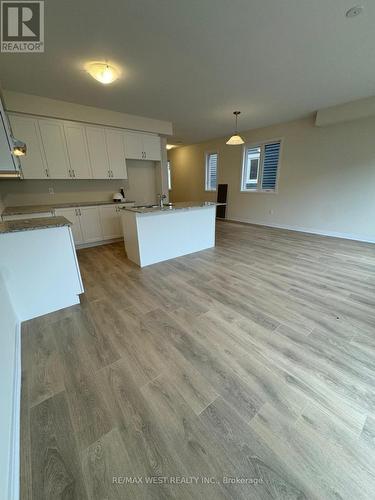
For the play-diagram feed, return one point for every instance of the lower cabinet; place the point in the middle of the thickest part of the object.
(90, 224)
(93, 224)
(111, 222)
(72, 215)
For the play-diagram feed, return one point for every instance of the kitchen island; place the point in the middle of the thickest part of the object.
(38, 265)
(154, 234)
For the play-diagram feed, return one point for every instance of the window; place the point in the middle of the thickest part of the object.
(211, 171)
(169, 175)
(260, 167)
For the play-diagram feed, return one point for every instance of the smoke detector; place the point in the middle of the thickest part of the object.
(354, 11)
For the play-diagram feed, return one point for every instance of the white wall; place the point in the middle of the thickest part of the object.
(8, 367)
(326, 178)
(43, 106)
(142, 181)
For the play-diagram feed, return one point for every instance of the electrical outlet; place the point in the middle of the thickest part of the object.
(51, 190)
(271, 211)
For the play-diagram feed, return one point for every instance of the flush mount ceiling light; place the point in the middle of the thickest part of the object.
(171, 146)
(103, 72)
(354, 11)
(236, 139)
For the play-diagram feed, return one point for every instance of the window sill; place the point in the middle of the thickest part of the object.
(261, 191)
(210, 190)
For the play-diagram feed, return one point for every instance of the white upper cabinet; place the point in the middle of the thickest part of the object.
(96, 141)
(77, 151)
(116, 154)
(26, 129)
(133, 145)
(151, 147)
(60, 149)
(55, 150)
(141, 146)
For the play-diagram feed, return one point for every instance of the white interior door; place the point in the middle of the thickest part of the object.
(116, 154)
(151, 147)
(90, 224)
(54, 146)
(77, 151)
(133, 145)
(26, 129)
(72, 215)
(96, 142)
(111, 222)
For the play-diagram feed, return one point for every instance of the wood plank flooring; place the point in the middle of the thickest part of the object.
(253, 361)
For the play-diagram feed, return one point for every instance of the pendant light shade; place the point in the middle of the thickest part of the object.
(236, 139)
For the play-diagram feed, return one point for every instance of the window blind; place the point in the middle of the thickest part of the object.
(270, 165)
(211, 171)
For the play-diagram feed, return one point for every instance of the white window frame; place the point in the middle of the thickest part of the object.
(206, 177)
(261, 144)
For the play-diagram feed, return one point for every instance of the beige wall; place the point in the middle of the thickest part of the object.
(141, 187)
(326, 178)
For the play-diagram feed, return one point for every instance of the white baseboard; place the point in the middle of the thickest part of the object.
(14, 468)
(332, 234)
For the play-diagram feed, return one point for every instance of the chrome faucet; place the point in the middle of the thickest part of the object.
(161, 198)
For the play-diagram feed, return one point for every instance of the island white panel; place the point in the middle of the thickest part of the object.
(40, 270)
(158, 236)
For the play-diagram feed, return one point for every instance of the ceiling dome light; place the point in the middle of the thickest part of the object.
(103, 72)
(354, 11)
(236, 139)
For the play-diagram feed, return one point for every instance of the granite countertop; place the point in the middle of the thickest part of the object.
(15, 226)
(33, 209)
(190, 205)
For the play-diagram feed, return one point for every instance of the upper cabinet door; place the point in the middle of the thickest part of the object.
(116, 154)
(133, 145)
(26, 129)
(96, 141)
(54, 146)
(151, 147)
(77, 151)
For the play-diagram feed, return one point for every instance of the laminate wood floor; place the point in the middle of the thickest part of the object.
(246, 371)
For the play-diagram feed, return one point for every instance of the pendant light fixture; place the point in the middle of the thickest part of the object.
(236, 139)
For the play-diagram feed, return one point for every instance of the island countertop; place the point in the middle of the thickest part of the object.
(15, 226)
(167, 208)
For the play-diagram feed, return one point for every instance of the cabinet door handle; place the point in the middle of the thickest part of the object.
(76, 211)
(47, 173)
(112, 174)
(109, 173)
(70, 173)
(74, 174)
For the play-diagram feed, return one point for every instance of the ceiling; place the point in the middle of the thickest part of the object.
(193, 62)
